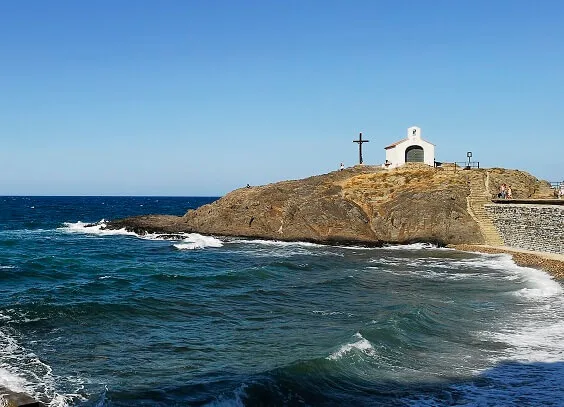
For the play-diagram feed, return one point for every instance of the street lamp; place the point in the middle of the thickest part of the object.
(469, 155)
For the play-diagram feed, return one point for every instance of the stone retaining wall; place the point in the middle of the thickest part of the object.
(530, 227)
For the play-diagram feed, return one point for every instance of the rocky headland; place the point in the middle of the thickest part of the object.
(359, 205)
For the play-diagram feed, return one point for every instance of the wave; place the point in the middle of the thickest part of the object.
(188, 241)
(13, 382)
(279, 243)
(540, 284)
(483, 267)
(328, 313)
(21, 371)
(361, 344)
(98, 228)
(534, 343)
(412, 246)
(236, 400)
(282, 243)
(196, 241)
(280, 249)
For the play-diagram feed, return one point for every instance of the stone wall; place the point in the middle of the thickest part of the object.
(530, 227)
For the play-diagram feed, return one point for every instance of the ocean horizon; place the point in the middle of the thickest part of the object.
(95, 317)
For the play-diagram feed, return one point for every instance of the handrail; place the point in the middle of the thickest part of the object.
(458, 165)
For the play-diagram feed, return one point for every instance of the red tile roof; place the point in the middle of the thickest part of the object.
(401, 141)
(395, 144)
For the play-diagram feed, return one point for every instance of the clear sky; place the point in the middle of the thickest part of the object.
(137, 97)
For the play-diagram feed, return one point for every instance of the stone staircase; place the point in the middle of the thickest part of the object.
(479, 196)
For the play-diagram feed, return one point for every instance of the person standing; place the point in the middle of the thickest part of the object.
(509, 193)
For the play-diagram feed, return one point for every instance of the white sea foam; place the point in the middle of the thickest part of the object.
(10, 377)
(22, 371)
(7, 267)
(98, 228)
(13, 382)
(279, 243)
(413, 246)
(65, 400)
(539, 284)
(361, 344)
(530, 368)
(325, 313)
(388, 260)
(485, 266)
(196, 241)
(282, 243)
(529, 372)
(188, 241)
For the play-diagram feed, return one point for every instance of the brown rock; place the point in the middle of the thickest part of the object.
(363, 204)
(10, 398)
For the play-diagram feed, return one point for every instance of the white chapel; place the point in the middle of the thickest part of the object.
(412, 149)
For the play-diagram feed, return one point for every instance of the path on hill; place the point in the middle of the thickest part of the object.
(479, 196)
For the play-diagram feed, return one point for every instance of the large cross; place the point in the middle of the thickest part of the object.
(360, 141)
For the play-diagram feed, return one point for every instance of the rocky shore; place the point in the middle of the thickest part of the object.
(359, 205)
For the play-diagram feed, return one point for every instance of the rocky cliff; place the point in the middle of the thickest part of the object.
(363, 204)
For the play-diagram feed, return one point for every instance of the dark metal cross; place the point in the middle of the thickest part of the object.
(360, 141)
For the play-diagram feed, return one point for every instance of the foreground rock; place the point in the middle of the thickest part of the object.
(365, 205)
(10, 398)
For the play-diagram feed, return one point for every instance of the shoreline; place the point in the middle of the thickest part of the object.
(551, 263)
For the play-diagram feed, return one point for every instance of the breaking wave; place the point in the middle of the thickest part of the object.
(196, 241)
(360, 344)
(98, 228)
(188, 241)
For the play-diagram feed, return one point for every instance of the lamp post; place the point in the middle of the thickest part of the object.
(469, 155)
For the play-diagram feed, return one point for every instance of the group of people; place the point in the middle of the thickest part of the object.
(505, 192)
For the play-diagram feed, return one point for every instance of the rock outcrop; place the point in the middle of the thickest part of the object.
(9, 398)
(363, 204)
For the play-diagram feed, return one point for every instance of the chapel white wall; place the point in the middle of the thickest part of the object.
(396, 155)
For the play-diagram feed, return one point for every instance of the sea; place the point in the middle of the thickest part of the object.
(93, 317)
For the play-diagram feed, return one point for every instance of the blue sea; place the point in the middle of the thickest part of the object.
(90, 317)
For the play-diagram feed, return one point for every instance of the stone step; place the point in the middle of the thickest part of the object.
(480, 196)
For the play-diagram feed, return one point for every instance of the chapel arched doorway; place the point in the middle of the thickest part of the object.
(414, 154)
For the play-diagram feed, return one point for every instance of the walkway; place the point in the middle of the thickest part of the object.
(479, 196)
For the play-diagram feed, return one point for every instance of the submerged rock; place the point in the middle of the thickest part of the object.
(361, 205)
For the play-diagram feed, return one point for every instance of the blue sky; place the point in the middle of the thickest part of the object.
(201, 97)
